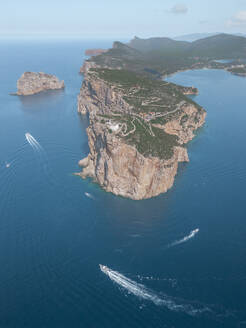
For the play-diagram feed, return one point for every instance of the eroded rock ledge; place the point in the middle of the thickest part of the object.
(136, 132)
(31, 83)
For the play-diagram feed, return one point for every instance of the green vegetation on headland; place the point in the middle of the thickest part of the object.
(148, 140)
(136, 71)
(150, 101)
(144, 94)
(160, 144)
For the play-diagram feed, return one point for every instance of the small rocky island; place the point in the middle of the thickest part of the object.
(31, 83)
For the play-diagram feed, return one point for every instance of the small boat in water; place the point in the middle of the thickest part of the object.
(89, 195)
(104, 268)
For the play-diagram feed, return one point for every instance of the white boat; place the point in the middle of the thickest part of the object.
(104, 268)
(89, 195)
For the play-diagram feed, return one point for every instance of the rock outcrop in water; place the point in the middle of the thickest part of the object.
(137, 128)
(31, 83)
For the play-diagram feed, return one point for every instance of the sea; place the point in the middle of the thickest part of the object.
(175, 261)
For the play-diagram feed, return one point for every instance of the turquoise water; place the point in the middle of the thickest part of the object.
(53, 237)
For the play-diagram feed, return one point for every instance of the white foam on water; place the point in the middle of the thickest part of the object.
(33, 142)
(185, 239)
(42, 158)
(142, 292)
(89, 195)
(7, 165)
(135, 235)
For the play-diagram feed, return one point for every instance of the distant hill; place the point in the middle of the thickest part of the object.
(215, 46)
(198, 36)
(160, 44)
(160, 56)
(194, 36)
(219, 46)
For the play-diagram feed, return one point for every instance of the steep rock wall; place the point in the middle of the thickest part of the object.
(117, 166)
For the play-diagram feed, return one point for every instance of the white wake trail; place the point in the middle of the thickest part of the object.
(87, 194)
(42, 156)
(185, 239)
(142, 292)
(33, 142)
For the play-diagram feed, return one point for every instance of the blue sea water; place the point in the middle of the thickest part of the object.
(55, 229)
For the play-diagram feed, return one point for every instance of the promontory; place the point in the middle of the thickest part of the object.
(31, 83)
(139, 123)
(138, 128)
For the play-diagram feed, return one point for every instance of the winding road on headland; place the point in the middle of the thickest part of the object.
(137, 117)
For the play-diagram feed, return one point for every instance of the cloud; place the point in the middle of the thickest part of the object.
(239, 19)
(179, 8)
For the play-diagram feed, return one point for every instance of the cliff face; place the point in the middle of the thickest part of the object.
(117, 164)
(97, 97)
(119, 168)
(31, 83)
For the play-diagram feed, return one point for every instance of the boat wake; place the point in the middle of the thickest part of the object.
(89, 195)
(42, 160)
(33, 142)
(142, 292)
(185, 239)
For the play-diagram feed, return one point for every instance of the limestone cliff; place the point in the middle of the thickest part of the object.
(134, 138)
(98, 97)
(31, 83)
(119, 168)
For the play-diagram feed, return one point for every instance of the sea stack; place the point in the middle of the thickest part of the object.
(31, 83)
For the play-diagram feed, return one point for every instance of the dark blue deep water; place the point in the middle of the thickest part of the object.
(53, 236)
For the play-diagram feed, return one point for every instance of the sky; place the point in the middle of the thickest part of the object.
(115, 19)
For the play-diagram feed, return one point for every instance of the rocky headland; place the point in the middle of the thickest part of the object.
(31, 83)
(138, 128)
(139, 124)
